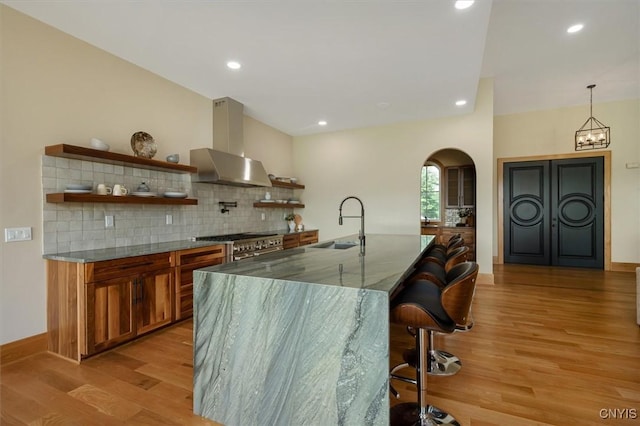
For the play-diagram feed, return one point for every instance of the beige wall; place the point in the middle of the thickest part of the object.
(381, 166)
(57, 89)
(552, 132)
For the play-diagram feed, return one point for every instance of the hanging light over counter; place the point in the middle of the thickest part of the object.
(593, 134)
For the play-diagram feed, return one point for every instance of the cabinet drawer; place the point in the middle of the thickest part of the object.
(128, 266)
(308, 237)
(212, 255)
(290, 241)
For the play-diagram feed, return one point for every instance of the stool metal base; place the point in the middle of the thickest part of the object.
(408, 414)
(441, 363)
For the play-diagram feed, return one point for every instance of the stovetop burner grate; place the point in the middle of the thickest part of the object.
(235, 237)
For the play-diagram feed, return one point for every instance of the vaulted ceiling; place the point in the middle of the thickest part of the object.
(366, 63)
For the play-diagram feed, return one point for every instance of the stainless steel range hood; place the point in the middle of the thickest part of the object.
(226, 164)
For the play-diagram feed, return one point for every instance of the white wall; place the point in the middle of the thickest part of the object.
(381, 166)
(552, 132)
(57, 89)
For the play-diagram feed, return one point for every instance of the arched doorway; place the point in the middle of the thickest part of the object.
(447, 196)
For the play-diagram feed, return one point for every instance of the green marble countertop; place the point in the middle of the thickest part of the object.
(97, 255)
(380, 266)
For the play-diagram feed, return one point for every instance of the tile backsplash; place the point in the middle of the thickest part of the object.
(81, 226)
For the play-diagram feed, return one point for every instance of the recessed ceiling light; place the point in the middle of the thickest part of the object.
(234, 65)
(322, 123)
(463, 4)
(575, 28)
(461, 102)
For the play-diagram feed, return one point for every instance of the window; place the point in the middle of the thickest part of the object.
(430, 193)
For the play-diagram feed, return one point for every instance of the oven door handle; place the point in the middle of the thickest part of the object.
(267, 251)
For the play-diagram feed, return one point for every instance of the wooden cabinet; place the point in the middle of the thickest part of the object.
(443, 233)
(95, 306)
(461, 187)
(186, 262)
(308, 237)
(299, 239)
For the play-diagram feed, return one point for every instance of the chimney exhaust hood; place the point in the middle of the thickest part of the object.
(226, 164)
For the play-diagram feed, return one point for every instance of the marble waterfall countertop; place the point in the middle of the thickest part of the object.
(299, 336)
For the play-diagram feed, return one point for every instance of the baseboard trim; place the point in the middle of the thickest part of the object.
(624, 267)
(13, 351)
(485, 279)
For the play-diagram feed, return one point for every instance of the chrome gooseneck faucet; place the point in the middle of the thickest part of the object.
(361, 234)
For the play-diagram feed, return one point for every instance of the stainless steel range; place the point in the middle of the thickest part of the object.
(247, 244)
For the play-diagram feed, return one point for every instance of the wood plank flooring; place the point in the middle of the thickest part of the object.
(550, 346)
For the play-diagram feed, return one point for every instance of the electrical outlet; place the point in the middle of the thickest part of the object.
(17, 234)
(108, 222)
(263, 216)
(169, 219)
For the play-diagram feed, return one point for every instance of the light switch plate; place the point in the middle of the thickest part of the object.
(108, 222)
(169, 219)
(17, 234)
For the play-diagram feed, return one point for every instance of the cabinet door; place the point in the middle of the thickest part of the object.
(461, 187)
(453, 186)
(467, 187)
(109, 313)
(152, 299)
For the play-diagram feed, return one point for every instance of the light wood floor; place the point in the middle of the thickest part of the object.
(550, 346)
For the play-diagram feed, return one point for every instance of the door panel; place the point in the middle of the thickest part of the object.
(109, 314)
(153, 300)
(526, 213)
(578, 212)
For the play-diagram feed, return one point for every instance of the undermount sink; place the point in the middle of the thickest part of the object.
(337, 245)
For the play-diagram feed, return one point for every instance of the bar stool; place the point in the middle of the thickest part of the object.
(441, 363)
(435, 271)
(429, 308)
(438, 253)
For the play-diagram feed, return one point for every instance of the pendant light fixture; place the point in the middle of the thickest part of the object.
(593, 134)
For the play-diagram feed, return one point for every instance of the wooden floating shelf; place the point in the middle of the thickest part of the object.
(95, 155)
(282, 184)
(279, 205)
(65, 197)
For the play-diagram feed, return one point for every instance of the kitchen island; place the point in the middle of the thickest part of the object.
(299, 336)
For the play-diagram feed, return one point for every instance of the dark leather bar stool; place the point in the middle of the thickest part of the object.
(441, 363)
(438, 253)
(429, 308)
(435, 271)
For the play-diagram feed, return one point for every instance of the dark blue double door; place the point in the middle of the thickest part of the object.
(554, 212)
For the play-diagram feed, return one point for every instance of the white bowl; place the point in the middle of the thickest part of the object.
(98, 144)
